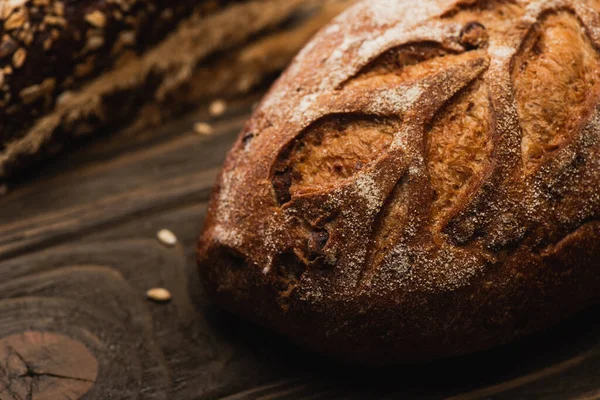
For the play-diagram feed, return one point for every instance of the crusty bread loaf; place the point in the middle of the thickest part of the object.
(422, 182)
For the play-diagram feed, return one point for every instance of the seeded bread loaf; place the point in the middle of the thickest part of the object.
(422, 182)
(75, 68)
(49, 46)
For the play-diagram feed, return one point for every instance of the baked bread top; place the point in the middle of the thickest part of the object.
(421, 182)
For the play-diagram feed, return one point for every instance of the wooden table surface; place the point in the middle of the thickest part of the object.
(78, 251)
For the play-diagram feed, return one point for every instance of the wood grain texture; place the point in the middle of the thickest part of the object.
(46, 364)
(78, 252)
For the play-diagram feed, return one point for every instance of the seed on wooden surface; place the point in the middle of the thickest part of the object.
(160, 295)
(166, 237)
(217, 108)
(3, 190)
(202, 128)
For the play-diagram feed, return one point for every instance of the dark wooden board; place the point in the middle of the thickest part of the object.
(78, 251)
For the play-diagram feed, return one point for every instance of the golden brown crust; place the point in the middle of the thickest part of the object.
(471, 221)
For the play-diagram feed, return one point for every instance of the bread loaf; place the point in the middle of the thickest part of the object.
(73, 69)
(49, 46)
(422, 182)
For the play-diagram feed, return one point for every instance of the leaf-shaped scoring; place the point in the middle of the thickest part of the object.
(331, 150)
(553, 75)
(337, 146)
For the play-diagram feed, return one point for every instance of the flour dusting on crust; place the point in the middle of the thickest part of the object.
(368, 255)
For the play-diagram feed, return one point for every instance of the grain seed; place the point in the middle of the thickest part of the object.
(19, 58)
(8, 47)
(54, 20)
(160, 295)
(15, 21)
(93, 43)
(202, 128)
(217, 108)
(166, 237)
(96, 18)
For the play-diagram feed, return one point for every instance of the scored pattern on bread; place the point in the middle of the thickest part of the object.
(552, 84)
(407, 63)
(390, 96)
(460, 146)
(331, 150)
(450, 228)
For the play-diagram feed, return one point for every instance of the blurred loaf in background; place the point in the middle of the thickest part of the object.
(75, 70)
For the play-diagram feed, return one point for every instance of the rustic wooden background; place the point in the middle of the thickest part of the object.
(78, 251)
